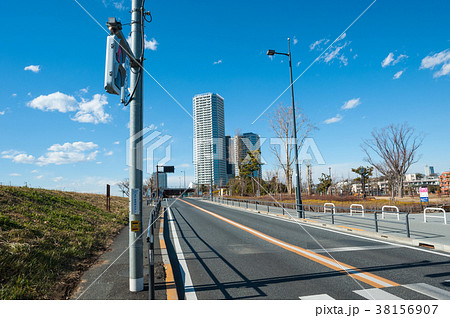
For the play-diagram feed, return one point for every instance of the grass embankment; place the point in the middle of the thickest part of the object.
(49, 238)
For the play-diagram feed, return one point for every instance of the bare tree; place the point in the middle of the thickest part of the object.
(282, 124)
(396, 148)
(124, 186)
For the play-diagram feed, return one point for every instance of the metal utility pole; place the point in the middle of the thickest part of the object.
(136, 153)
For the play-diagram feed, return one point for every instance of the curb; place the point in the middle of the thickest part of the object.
(360, 232)
(171, 290)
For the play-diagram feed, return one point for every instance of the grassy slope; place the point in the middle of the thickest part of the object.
(48, 238)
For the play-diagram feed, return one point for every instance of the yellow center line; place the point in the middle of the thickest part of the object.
(369, 278)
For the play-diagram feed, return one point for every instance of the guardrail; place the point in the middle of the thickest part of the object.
(154, 214)
(357, 205)
(315, 211)
(434, 216)
(326, 205)
(383, 209)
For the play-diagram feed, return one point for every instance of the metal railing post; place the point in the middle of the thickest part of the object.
(376, 221)
(407, 225)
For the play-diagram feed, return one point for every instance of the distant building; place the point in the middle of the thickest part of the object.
(414, 181)
(429, 170)
(444, 182)
(240, 146)
(162, 179)
(229, 150)
(209, 140)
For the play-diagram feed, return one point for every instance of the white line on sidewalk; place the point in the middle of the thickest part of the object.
(187, 281)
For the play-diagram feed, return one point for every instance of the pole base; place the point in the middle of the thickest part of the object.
(136, 284)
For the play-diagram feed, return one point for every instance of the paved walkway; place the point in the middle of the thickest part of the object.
(109, 278)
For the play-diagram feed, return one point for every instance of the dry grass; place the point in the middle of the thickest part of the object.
(48, 238)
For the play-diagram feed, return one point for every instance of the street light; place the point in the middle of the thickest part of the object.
(297, 189)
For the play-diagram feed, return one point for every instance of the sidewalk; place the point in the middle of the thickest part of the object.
(434, 234)
(103, 283)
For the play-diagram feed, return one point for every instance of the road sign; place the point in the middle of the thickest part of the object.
(135, 208)
(134, 226)
(423, 194)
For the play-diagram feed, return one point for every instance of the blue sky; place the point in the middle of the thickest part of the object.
(60, 129)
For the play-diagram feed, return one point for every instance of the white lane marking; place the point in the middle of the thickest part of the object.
(429, 290)
(338, 232)
(189, 290)
(317, 297)
(352, 248)
(376, 294)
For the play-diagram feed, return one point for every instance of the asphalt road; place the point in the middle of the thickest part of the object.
(234, 254)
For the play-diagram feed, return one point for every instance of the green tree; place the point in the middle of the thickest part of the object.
(364, 174)
(324, 183)
(250, 167)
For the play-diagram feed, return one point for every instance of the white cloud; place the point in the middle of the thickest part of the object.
(14, 95)
(88, 111)
(109, 153)
(431, 61)
(84, 90)
(398, 74)
(68, 153)
(329, 56)
(317, 45)
(298, 63)
(352, 103)
(56, 101)
(148, 44)
(18, 156)
(116, 142)
(57, 179)
(333, 120)
(119, 5)
(2, 113)
(14, 175)
(39, 177)
(295, 40)
(342, 36)
(57, 154)
(92, 111)
(388, 60)
(151, 44)
(35, 171)
(217, 62)
(33, 68)
(399, 58)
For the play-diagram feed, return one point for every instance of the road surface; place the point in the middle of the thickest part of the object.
(235, 254)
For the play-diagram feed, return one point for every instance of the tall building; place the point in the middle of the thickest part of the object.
(241, 145)
(209, 140)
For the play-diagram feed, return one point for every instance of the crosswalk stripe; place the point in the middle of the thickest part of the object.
(429, 290)
(376, 294)
(317, 297)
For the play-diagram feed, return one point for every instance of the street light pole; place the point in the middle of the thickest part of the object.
(298, 195)
(297, 171)
(136, 160)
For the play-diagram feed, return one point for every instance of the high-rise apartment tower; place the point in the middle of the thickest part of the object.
(209, 140)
